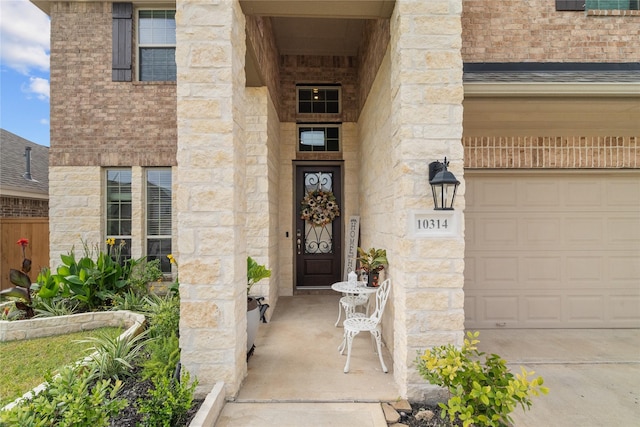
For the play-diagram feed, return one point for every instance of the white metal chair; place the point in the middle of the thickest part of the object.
(356, 324)
(349, 303)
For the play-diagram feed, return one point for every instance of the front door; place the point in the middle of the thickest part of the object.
(318, 239)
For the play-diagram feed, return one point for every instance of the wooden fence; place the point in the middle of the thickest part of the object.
(36, 230)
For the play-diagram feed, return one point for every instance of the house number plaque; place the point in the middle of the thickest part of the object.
(434, 223)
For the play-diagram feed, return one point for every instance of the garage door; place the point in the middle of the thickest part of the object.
(552, 250)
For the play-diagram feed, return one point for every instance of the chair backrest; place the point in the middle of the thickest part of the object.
(382, 294)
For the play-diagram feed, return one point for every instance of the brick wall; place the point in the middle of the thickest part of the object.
(19, 207)
(94, 121)
(532, 30)
(552, 152)
(296, 69)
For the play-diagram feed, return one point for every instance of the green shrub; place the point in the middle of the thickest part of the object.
(168, 401)
(69, 401)
(164, 355)
(480, 395)
(114, 357)
(163, 314)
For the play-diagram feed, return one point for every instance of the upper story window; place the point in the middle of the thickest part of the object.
(157, 45)
(318, 99)
(577, 5)
(611, 4)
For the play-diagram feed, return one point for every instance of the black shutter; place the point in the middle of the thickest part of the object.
(121, 43)
(570, 4)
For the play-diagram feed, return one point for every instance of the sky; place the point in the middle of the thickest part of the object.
(24, 70)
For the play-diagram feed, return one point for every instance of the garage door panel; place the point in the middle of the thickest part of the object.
(501, 232)
(585, 270)
(499, 310)
(623, 230)
(562, 251)
(542, 309)
(539, 193)
(585, 309)
(542, 271)
(584, 230)
(625, 269)
(540, 231)
(623, 193)
(498, 270)
(583, 193)
(624, 308)
(496, 193)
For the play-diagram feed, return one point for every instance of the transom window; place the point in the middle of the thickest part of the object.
(318, 137)
(319, 99)
(159, 216)
(157, 45)
(119, 211)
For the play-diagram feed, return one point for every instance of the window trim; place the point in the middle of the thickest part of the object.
(147, 235)
(118, 237)
(138, 45)
(322, 126)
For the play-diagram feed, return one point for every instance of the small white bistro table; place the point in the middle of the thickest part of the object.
(351, 294)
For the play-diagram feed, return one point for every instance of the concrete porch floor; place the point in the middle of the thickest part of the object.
(296, 373)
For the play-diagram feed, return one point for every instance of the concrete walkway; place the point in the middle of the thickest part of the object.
(296, 380)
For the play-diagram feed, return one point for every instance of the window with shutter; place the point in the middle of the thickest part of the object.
(570, 5)
(121, 42)
(157, 45)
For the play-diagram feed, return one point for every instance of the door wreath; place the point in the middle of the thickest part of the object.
(319, 207)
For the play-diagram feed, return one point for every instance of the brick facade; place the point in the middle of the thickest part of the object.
(551, 152)
(533, 31)
(14, 207)
(96, 121)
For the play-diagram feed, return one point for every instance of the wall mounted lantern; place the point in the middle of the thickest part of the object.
(443, 185)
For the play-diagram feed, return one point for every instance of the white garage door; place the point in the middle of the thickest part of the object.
(552, 250)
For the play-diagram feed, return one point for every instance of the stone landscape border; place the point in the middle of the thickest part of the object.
(134, 322)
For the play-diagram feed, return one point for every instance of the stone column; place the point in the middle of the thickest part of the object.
(210, 191)
(427, 94)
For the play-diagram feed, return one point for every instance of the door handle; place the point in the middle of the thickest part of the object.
(298, 240)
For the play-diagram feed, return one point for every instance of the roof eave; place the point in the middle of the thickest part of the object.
(551, 89)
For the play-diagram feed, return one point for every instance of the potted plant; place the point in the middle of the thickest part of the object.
(255, 273)
(372, 262)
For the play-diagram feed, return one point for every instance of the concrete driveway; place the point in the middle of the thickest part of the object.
(593, 375)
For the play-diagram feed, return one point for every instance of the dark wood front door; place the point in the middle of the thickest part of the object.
(318, 240)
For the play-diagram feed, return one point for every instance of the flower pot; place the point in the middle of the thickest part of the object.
(373, 279)
(253, 321)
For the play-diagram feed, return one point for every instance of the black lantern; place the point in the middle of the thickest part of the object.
(443, 185)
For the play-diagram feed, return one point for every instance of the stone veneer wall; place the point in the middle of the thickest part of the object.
(262, 188)
(260, 38)
(426, 124)
(95, 121)
(77, 214)
(210, 186)
(532, 30)
(552, 152)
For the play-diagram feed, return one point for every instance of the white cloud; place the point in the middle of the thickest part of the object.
(24, 34)
(38, 86)
(44, 122)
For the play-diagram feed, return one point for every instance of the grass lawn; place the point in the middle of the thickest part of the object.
(24, 363)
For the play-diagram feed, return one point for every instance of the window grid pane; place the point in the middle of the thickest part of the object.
(319, 100)
(318, 138)
(156, 42)
(118, 203)
(159, 211)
